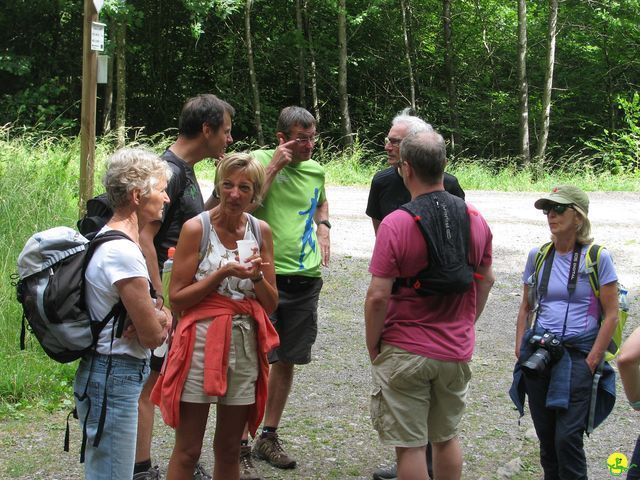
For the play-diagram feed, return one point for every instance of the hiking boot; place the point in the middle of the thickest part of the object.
(387, 473)
(268, 447)
(152, 474)
(247, 470)
(200, 473)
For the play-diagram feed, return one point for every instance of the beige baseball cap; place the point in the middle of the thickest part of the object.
(565, 195)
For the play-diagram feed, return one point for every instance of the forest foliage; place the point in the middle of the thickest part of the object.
(396, 51)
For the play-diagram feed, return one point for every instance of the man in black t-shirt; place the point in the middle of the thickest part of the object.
(387, 191)
(204, 131)
(387, 194)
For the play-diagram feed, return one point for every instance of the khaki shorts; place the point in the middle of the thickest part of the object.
(242, 373)
(416, 399)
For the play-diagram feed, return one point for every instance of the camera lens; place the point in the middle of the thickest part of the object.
(537, 363)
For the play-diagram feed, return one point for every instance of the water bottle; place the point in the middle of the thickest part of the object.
(622, 299)
(166, 276)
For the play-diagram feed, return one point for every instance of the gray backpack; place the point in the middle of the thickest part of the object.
(50, 287)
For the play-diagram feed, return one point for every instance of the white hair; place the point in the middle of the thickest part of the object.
(414, 124)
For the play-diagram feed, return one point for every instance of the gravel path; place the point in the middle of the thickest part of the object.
(326, 423)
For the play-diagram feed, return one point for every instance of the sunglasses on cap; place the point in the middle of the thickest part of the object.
(558, 208)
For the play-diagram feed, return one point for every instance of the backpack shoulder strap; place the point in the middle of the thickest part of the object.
(206, 231)
(592, 260)
(541, 256)
(173, 205)
(91, 249)
(183, 171)
(544, 257)
(254, 225)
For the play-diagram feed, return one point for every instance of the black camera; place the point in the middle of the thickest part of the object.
(549, 351)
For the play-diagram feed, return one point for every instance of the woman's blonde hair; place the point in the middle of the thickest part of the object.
(247, 163)
(583, 233)
(131, 168)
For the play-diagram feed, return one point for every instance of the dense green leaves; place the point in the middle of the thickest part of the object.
(178, 49)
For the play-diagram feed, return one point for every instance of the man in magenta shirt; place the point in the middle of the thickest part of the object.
(420, 346)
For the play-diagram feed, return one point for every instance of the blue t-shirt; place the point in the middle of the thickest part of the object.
(584, 307)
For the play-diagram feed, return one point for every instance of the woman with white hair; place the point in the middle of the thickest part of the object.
(561, 365)
(109, 379)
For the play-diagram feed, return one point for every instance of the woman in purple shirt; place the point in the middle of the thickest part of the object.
(560, 353)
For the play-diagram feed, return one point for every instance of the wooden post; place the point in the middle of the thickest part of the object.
(88, 110)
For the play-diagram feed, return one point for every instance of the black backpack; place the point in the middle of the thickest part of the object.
(99, 211)
(444, 222)
(50, 288)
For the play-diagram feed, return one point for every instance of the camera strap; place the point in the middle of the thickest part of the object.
(571, 280)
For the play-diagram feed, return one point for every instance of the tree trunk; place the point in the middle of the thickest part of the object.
(407, 50)
(342, 74)
(302, 60)
(548, 83)
(524, 85)
(252, 72)
(121, 95)
(312, 55)
(450, 73)
(108, 97)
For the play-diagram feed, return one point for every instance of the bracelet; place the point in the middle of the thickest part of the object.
(259, 278)
(635, 405)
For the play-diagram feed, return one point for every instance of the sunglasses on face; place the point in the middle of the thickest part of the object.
(557, 208)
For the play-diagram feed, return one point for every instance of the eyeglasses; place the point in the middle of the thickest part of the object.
(393, 141)
(558, 208)
(302, 140)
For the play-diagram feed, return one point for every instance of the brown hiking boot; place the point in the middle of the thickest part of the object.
(268, 447)
(247, 470)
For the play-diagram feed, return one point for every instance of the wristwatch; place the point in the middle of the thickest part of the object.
(325, 222)
(259, 278)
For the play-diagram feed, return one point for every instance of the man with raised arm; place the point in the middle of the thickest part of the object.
(295, 206)
(420, 346)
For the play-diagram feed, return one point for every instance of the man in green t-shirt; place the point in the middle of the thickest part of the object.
(296, 208)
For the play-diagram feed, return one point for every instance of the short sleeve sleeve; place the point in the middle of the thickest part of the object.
(529, 267)
(606, 268)
(373, 203)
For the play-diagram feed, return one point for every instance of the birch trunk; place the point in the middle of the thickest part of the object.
(407, 51)
(302, 60)
(342, 74)
(548, 83)
(252, 72)
(522, 80)
(450, 73)
(121, 79)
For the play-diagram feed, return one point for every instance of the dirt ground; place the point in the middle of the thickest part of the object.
(326, 423)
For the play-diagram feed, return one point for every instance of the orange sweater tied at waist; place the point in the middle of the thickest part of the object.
(168, 389)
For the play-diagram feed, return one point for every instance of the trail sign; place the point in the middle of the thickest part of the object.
(98, 4)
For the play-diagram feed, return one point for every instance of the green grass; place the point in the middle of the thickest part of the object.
(37, 185)
(38, 190)
(505, 175)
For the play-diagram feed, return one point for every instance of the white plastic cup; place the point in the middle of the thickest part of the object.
(246, 249)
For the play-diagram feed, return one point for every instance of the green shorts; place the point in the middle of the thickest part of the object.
(296, 318)
(416, 399)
